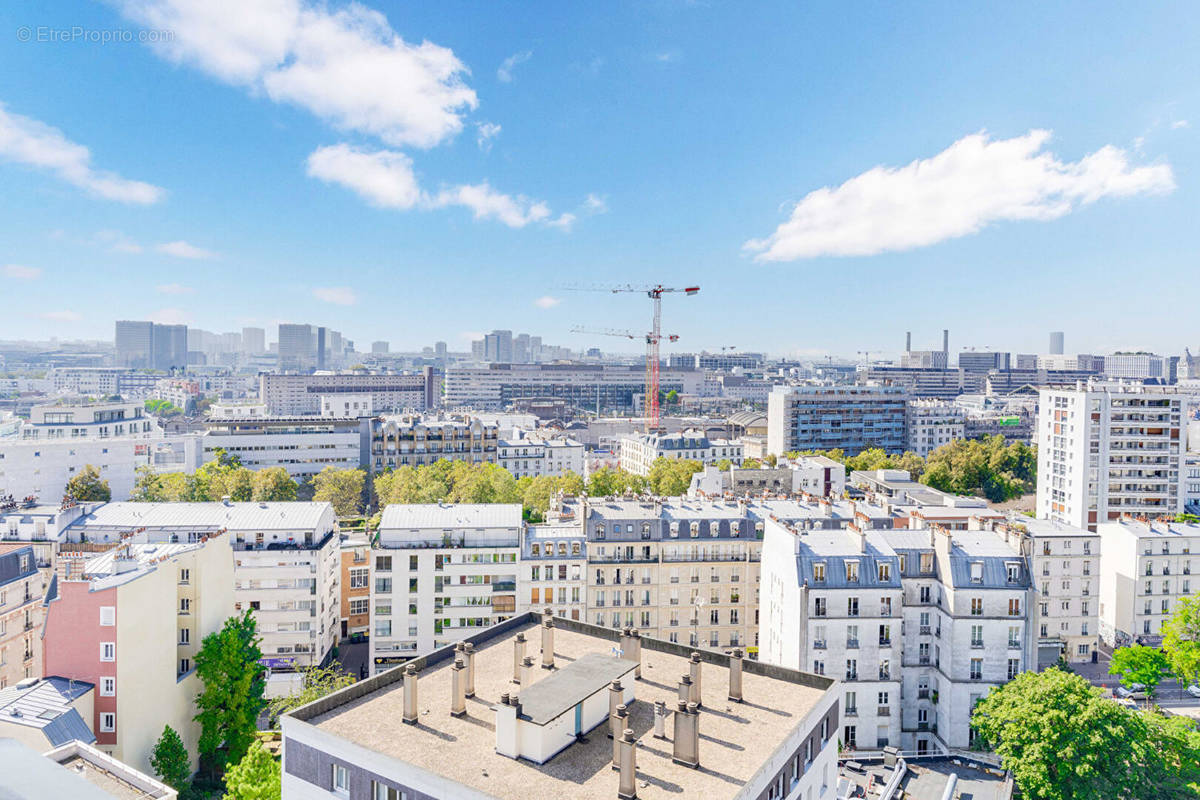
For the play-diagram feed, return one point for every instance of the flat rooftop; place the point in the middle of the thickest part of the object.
(736, 739)
(926, 779)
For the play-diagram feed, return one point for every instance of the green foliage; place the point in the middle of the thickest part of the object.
(771, 460)
(672, 398)
(163, 408)
(751, 463)
(606, 482)
(1139, 664)
(724, 465)
(170, 760)
(273, 484)
(1181, 640)
(87, 485)
(232, 694)
(1188, 518)
(671, 477)
(998, 469)
(463, 482)
(343, 488)
(256, 776)
(1063, 740)
(221, 477)
(318, 682)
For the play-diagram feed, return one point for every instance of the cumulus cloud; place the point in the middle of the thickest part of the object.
(547, 302)
(383, 177)
(346, 66)
(596, 204)
(61, 315)
(972, 183)
(505, 71)
(172, 316)
(21, 272)
(338, 295)
(117, 242)
(487, 132)
(182, 249)
(175, 288)
(486, 203)
(27, 141)
(1179, 123)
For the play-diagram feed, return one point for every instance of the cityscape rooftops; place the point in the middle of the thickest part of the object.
(46, 705)
(75, 770)
(737, 740)
(212, 516)
(451, 516)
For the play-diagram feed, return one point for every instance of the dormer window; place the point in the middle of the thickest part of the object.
(645, 530)
(976, 572)
(674, 530)
(852, 571)
(885, 572)
(535, 550)
(599, 531)
(695, 529)
(1014, 571)
(819, 572)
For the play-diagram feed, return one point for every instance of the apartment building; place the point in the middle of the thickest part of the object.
(21, 611)
(553, 568)
(639, 451)
(130, 623)
(44, 713)
(411, 441)
(595, 387)
(300, 395)
(1146, 570)
(933, 423)
(441, 572)
(834, 601)
(534, 453)
(355, 605)
(301, 445)
(850, 418)
(1107, 449)
(285, 558)
(814, 475)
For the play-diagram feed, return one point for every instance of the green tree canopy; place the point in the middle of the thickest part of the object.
(1181, 640)
(256, 776)
(318, 682)
(343, 488)
(1139, 664)
(273, 484)
(232, 695)
(87, 485)
(607, 482)
(672, 476)
(170, 760)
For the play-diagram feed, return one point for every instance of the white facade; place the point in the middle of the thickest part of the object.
(553, 569)
(932, 424)
(638, 453)
(347, 405)
(301, 445)
(530, 454)
(441, 572)
(1107, 449)
(1146, 570)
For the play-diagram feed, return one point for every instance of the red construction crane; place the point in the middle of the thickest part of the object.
(653, 338)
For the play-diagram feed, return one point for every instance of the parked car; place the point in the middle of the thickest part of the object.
(1194, 690)
(1125, 701)
(1130, 691)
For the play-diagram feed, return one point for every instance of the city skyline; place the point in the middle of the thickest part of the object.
(202, 180)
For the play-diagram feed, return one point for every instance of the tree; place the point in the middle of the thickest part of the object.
(318, 682)
(1064, 740)
(672, 476)
(232, 694)
(256, 776)
(341, 487)
(1181, 640)
(170, 760)
(272, 484)
(751, 463)
(1139, 664)
(87, 485)
(608, 482)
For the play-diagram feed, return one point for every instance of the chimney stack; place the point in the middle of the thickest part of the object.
(518, 656)
(735, 676)
(548, 640)
(470, 651)
(627, 789)
(410, 695)
(526, 671)
(616, 695)
(660, 719)
(506, 727)
(685, 688)
(686, 747)
(618, 722)
(694, 669)
(458, 688)
(631, 648)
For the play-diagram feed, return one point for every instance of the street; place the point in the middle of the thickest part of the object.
(1169, 694)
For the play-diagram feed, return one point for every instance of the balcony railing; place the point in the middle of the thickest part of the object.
(851, 676)
(852, 644)
(883, 711)
(819, 644)
(925, 629)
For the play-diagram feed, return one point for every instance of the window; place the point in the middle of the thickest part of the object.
(108, 721)
(383, 564)
(383, 585)
(108, 686)
(819, 572)
(358, 578)
(383, 627)
(852, 571)
(108, 651)
(976, 669)
(340, 781)
(185, 575)
(1014, 667)
(380, 791)
(185, 666)
(976, 606)
(976, 572)
(108, 616)
(1014, 607)
(852, 606)
(885, 572)
(360, 605)
(185, 635)
(1014, 571)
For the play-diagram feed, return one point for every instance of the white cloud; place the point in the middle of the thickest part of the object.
(172, 316)
(117, 242)
(547, 302)
(26, 141)
(471, 336)
(175, 288)
(346, 66)
(563, 222)
(21, 272)
(596, 204)
(504, 73)
(384, 177)
(182, 249)
(974, 182)
(486, 203)
(1179, 123)
(668, 56)
(338, 295)
(62, 315)
(487, 132)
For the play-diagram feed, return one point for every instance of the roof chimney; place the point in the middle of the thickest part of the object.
(518, 656)
(618, 722)
(470, 651)
(526, 671)
(685, 688)
(694, 674)
(686, 747)
(627, 788)
(616, 695)
(548, 640)
(735, 676)
(458, 688)
(410, 695)
(660, 719)
(506, 725)
(631, 649)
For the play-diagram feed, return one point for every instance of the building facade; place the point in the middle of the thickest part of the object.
(301, 445)
(850, 418)
(411, 441)
(1145, 571)
(933, 423)
(532, 454)
(300, 395)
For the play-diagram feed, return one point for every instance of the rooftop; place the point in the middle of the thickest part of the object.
(452, 516)
(46, 705)
(75, 770)
(735, 739)
(207, 516)
(926, 779)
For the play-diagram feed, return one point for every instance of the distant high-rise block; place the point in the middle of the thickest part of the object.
(379, 347)
(1056, 343)
(254, 341)
(134, 342)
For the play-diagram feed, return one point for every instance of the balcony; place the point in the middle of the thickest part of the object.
(852, 644)
(883, 711)
(852, 711)
(885, 674)
(925, 630)
(819, 644)
(922, 694)
(504, 586)
(923, 660)
(977, 644)
(1013, 644)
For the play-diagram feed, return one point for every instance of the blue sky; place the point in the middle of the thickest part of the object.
(414, 172)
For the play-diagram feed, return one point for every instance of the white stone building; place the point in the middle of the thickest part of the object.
(553, 569)
(301, 445)
(639, 452)
(534, 453)
(1146, 570)
(931, 424)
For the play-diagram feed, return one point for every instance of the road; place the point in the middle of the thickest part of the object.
(1170, 693)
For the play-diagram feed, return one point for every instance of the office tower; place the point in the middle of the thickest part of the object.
(134, 342)
(983, 361)
(521, 348)
(1056, 343)
(379, 347)
(170, 346)
(254, 341)
(849, 418)
(498, 347)
(297, 344)
(320, 347)
(439, 351)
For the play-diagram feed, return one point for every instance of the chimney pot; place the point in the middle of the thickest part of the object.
(618, 722)
(526, 671)
(469, 649)
(458, 688)
(616, 696)
(410, 695)
(685, 688)
(694, 670)
(518, 656)
(627, 788)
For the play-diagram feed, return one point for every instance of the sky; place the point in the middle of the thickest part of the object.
(831, 175)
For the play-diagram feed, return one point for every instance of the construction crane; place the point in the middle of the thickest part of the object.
(653, 337)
